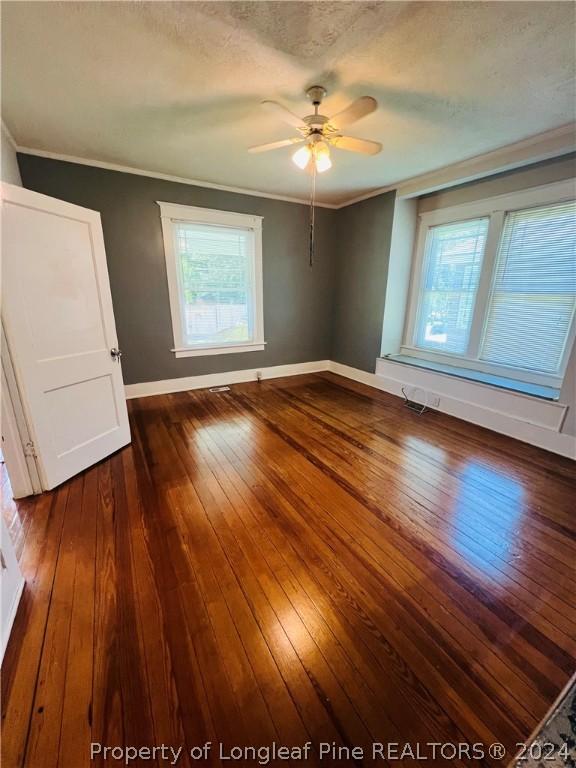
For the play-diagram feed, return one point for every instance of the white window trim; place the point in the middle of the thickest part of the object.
(495, 207)
(172, 212)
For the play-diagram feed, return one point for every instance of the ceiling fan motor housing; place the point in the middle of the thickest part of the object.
(315, 122)
(316, 93)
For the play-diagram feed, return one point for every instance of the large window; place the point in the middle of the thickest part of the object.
(213, 263)
(494, 286)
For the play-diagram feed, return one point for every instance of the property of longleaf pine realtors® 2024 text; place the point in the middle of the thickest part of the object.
(329, 751)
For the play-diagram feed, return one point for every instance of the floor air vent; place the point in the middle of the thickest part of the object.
(219, 389)
(416, 399)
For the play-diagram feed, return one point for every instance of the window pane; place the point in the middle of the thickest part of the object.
(452, 265)
(534, 291)
(216, 268)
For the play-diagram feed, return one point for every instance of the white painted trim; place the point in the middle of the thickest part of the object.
(368, 195)
(199, 214)
(516, 415)
(404, 229)
(542, 146)
(475, 364)
(484, 289)
(12, 448)
(555, 192)
(146, 389)
(549, 414)
(165, 176)
(6, 630)
(356, 374)
(22, 468)
(224, 349)
(9, 136)
(171, 213)
(494, 209)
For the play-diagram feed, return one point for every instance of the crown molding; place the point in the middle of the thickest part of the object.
(368, 195)
(543, 146)
(164, 176)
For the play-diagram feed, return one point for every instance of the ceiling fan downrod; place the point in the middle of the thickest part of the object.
(312, 218)
(316, 94)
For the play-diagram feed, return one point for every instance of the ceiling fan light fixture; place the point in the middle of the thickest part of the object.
(302, 156)
(322, 157)
(317, 132)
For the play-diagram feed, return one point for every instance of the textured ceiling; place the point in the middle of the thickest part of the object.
(175, 87)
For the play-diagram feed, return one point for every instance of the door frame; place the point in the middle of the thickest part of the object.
(17, 445)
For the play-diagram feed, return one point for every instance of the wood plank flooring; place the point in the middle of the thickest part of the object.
(300, 560)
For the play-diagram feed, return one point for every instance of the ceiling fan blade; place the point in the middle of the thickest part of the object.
(364, 146)
(275, 145)
(284, 114)
(353, 112)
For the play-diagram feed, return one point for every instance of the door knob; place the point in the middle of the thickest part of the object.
(115, 354)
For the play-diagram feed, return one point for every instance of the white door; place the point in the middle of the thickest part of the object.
(58, 318)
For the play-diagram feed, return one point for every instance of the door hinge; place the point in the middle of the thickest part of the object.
(30, 450)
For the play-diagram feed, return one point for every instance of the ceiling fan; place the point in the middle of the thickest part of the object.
(318, 132)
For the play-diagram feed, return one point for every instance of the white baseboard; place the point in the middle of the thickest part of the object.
(221, 379)
(370, 379)
(512, 414)
(525, 418)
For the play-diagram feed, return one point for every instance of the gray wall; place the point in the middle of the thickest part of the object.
(297, 300)
(334, 311)
(364, 231)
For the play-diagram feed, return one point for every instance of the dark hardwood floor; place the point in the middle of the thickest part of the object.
(298, 560)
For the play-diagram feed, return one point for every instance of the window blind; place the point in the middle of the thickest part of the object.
(452, 265)
(534, 290)
(216, 283)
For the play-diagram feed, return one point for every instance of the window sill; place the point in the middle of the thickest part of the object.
(223, 349)
(479, 377)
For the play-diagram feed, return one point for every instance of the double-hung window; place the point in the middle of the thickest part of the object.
(452, 266)
(494, 285)
(214, 270)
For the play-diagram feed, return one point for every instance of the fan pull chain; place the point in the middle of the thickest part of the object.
(312, 216)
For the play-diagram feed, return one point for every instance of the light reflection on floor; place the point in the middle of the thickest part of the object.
(435, 458)
(505, 517)
(481, 499)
